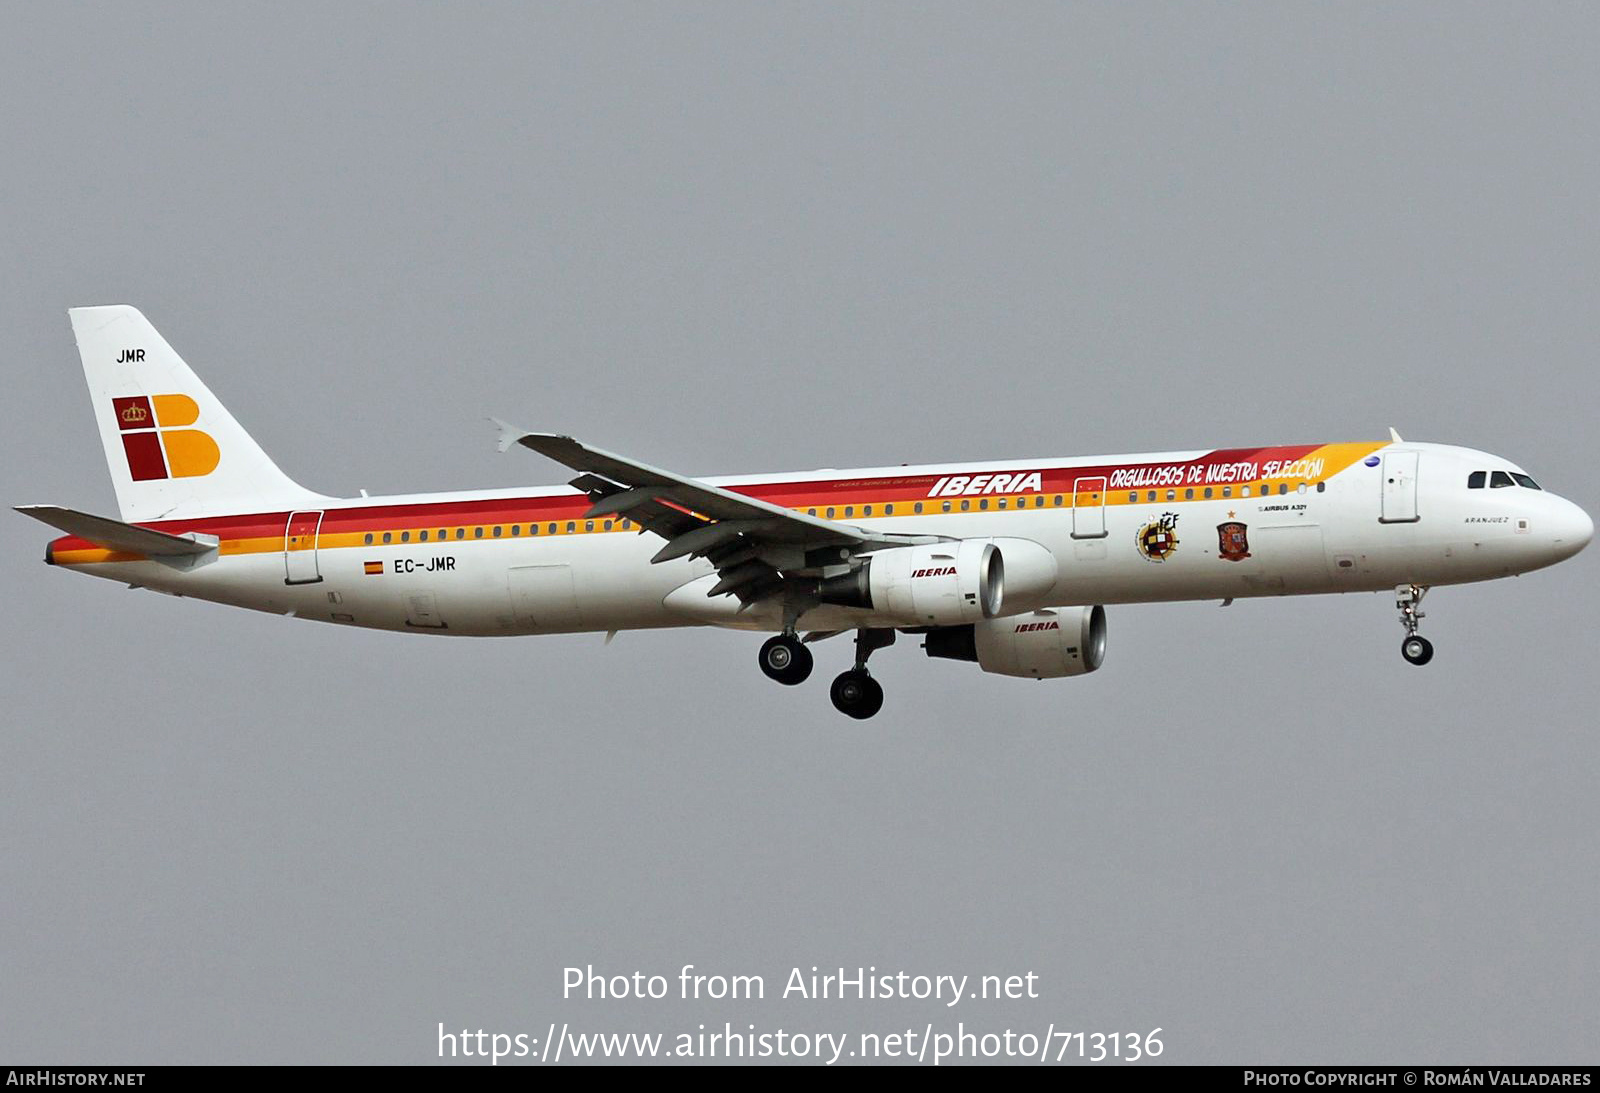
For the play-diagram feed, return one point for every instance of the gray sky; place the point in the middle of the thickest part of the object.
(732, 238)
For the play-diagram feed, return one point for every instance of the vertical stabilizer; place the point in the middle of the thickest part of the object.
(172, 448)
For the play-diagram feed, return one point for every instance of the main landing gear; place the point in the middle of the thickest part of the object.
(855, 693)
(786, 659)
(1408, 599)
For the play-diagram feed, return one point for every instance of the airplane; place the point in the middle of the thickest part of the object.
(1008, 564)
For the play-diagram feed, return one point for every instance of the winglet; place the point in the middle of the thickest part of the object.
(509, 435)
(1394, 436)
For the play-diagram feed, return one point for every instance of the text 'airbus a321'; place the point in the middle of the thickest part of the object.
(1008, 564)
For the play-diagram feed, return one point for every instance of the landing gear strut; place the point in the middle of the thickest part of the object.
(855, 693)
(1408, 599)
(786, 660)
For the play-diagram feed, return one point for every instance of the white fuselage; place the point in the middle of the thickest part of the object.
(470, 564)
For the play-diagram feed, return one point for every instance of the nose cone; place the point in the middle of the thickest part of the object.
(1572, 529)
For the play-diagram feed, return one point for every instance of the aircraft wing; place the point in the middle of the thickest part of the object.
(753, 543)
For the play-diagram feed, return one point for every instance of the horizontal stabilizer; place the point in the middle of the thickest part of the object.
(115, 535)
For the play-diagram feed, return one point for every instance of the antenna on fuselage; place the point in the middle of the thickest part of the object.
(1394, 436)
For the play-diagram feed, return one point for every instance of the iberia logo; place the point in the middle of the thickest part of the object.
(156, 441)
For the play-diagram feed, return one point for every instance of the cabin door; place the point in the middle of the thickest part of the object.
(1399, 488)
(300, 548)
(1089, 508)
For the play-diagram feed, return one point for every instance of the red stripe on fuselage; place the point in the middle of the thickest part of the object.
(559, 508)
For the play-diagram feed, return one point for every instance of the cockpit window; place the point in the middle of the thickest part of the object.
(1500, 480)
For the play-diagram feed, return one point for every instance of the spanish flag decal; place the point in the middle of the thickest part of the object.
(372, 569)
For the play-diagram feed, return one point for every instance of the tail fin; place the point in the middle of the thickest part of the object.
(173, 449)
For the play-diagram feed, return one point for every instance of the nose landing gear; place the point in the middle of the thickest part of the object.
(1408, 599)
(1417, 649)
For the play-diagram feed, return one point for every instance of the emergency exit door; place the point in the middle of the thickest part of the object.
(300, 548)
(1399, 488)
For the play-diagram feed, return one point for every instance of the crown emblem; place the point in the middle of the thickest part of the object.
(135, 413)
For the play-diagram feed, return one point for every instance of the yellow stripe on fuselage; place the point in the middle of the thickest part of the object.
(1334, 458)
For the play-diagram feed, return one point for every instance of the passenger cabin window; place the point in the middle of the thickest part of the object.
(1500, 480)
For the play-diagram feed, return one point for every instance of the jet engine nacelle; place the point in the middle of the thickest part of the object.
(946, 584)
(937, 584)
(1047, 644)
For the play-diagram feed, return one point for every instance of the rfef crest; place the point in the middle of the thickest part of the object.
(1159, 538)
